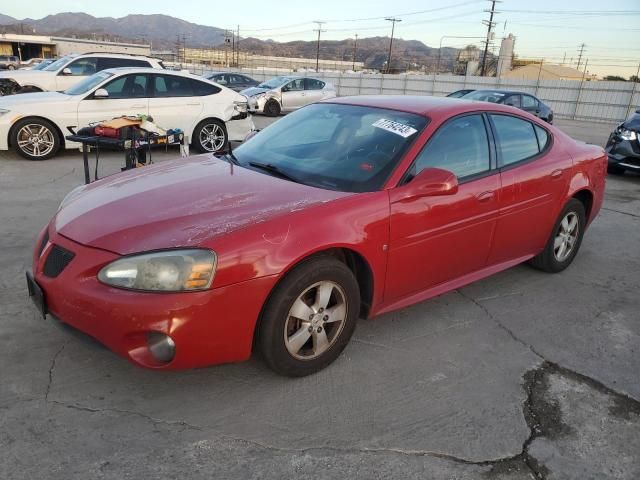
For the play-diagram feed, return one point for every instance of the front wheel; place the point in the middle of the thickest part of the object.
(565, 240)
(310, 317)
(272, 108)
(210, 136)
(35, 139)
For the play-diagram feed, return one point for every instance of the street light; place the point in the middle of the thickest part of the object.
(393, 21)
(440, 48)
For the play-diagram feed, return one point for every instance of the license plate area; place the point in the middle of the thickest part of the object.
(37, 295)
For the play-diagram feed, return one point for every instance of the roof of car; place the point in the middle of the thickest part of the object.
(152, 70)
(420, 105)
(505, 92)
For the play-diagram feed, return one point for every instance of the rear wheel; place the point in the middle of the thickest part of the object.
(272, 108)
(35, 139)
(565, 240)
(310, 317)
(210, 136)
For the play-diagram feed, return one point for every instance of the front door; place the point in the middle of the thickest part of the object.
(437, 239)
(128, 95)
(293, 94)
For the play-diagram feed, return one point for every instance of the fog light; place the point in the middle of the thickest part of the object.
(161, 346)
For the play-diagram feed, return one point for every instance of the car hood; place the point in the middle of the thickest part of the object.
(182, 203)
(35, 98)
(23, 74)
(250, 92)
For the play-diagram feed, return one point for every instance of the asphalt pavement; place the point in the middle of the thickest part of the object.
(519, 376)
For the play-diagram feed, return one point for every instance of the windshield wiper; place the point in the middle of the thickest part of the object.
(268, 167)
(231, 158)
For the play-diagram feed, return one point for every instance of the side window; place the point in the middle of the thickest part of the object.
(172, 86)
(543, 137)
(313, 84)
(516, 138)
(295, 85)
(221, 79)
(460, 146)
(202, 89)
(529, 102)
(104, 63)
(128, 86)
(513, 100)
(83, 66)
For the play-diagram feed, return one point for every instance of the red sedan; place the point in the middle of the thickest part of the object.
(343, 209)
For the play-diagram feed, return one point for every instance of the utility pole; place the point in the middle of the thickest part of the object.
(490, 24)
(319, 30)
(564, 58)
(355, 50)
(233, 47)
(580, 52)
(238, 47)
(393, 21)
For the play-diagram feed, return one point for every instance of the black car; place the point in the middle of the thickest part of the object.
(623, 146)
(521, 100)
(461, 93)
(234, 81)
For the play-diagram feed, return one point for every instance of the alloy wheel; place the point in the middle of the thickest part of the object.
(315, 320)
(36, 140)
(212, 137)
(567, 236)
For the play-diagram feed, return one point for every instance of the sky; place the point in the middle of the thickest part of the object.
(546, 29)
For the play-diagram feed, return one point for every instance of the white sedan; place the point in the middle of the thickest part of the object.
(286, 93)
(35, 124)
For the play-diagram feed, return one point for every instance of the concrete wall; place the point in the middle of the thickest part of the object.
(593, 101)
(64, 46)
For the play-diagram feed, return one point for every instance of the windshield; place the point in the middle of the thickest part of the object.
(337, 147)
(57, 65)
(485, 96)
(88, 83)
(275, 82)
(42, 65)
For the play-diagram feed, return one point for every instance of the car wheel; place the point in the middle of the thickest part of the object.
(11, 67)
(615, 169)
(35, 139)
(272, 108)
(565, 240)
(310, 317)
(210, 136)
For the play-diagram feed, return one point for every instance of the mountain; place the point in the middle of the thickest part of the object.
(162, 31)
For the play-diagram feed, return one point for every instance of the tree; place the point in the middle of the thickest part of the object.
(614, 78)
(634, 78)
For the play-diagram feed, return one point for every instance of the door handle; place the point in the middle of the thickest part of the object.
(138, 106)
(556, 174)
(485, 196)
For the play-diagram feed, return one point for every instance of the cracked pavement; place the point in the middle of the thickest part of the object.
(523, 375)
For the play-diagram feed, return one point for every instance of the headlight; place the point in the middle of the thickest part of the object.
(628, 134)
(165, 271)
(70, 196)
(240, 107)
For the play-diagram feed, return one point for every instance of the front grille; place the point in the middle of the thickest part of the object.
(57, 261)
(43, 244)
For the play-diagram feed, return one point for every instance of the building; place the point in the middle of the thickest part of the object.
(41, 46)
(505, 58)
(546, 71)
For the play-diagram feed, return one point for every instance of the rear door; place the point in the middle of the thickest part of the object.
(530, 104)
(313, 89)
(128, 95)
(175, 102)
(534, 177)
(293, 94)
(437, 239)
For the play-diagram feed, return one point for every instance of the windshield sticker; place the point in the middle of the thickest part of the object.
(395, 127)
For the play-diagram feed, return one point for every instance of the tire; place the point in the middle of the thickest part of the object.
(210, 136)
(26, 131)
(615, 169)
(553, 259)
(11, 67)
(272, 108)
(320, 341)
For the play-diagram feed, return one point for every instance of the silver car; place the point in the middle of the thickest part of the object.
(287, 93)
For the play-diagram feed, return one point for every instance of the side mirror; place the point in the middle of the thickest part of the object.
(431, 182)
(67, 71)
(101, 93)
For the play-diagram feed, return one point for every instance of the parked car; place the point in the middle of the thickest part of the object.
(9, 62)
(460, 93)
(34, 124)
(347, 208)
(287, 93)
(232, 80)
(523, 101)
(69, 70)
(623, 146)
(41, 65)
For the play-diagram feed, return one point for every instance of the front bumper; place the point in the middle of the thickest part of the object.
(209, 327)
(625, 153)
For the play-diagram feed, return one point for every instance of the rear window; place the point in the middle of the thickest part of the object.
(517, 138)
(104, 63)
(175, 86)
